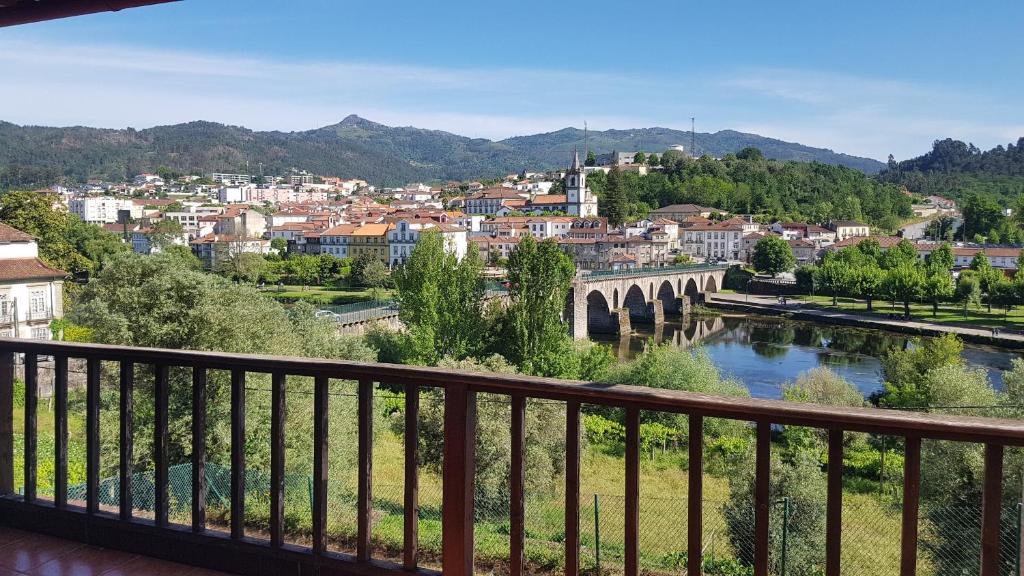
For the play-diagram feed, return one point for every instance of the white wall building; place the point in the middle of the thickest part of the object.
(98, 209)
(31, 292)
(402, 239)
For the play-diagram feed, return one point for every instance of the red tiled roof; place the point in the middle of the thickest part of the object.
(27, 269)
(11, 234)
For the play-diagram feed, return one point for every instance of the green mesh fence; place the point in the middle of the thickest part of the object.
(949, 536)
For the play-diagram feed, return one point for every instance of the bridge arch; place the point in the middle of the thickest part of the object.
(712, 285)
(669, 302)
(637, 304)
(692, 292)
(600, 319)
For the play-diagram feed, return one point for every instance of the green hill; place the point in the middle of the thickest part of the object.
(353, 148)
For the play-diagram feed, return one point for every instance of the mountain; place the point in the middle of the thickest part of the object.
(957, 170)
(352, 148)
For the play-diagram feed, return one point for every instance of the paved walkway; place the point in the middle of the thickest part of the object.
(803, 310)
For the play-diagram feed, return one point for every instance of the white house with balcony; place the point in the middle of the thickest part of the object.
(31, 291)
(402, 239)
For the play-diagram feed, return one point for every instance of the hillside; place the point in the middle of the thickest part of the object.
(354, 148)
(957, 170)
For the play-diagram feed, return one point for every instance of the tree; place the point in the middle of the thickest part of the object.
(279, 244)
(981, 213)
(968, 289)
(750, 153)
(375, 275)
(938, 286)
(902, 253)
(773, 255)
(833, 276)
(441, 302)
(591, 159)
(247, 267)
(165, 232)
(652, 160)
(868, 280)
(905, 370)
(303, 268)
(988, 277)
(614, 201)
(903, 283)
(540, 276)
(639, 158)
(941, 258)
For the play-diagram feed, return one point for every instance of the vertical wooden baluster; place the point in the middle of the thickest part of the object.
(320, 460)
(457, 491)
(31, 428)
(161, 394)
(632, 504)
(7, 423)
(911, 496)
(572, 488)
(60, 432)
(277, 426)
(364, 514)
(834, 506)
(92, 436)
(762, 497)
(410, 557)
(695, 497)
(991, 507)
(198, 449)
(237, 453)
(127, 437)
(517, 501)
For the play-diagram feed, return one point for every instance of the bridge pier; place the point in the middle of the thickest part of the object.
(683, 303)
(657, 308)
(624, 324)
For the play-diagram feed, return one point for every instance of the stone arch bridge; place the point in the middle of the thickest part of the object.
(611, 302)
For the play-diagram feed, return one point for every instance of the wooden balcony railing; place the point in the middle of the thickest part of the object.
(237, 552)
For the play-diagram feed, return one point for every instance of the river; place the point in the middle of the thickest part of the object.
(766, 352)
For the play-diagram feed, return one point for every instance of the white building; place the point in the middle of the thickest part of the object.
(579, 199)
(402, 239)
(31, 292)
(99, 209)
(336, 240)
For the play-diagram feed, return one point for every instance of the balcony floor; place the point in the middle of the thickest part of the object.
(29, 554)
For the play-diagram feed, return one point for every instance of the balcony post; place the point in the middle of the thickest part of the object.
(6, 423)
(459, 467)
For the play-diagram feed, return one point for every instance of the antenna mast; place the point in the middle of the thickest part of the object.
(693, 137)
(586, 140)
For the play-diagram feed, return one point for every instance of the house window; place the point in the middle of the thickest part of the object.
(5, 306)
(41, 333)
(37, 301)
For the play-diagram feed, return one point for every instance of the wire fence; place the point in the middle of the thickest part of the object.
(949, 536)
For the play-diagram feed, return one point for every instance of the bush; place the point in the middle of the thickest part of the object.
(736, 278)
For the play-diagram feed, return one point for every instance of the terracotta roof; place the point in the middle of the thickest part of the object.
(996, 251)
(549, 199)
(27, 269)
(10, 234)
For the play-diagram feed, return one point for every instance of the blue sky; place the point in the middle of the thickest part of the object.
(867, 78)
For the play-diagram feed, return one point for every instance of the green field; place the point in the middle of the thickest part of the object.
(977, 316)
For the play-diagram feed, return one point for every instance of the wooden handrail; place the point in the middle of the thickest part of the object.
(874, 420)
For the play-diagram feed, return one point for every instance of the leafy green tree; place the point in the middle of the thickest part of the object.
(942, 258)
(165, 232)
(981, 213)
(279, 244)
(902, 253)
(750, 153)
(968, 289)
(905, 370)
(773, 255)
(639, 158)
(540, 276)
(375, 275)
(868, 281)
(938, 286)
(303, 268)
(247, 267)
(591, 159)
(822, 386)
(988, 277)
(441, 302)
(904, 282)
(871, 248)
(834, 276)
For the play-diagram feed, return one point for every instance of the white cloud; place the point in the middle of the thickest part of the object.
(108, 85)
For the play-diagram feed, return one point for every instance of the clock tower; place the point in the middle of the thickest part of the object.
(578, 198)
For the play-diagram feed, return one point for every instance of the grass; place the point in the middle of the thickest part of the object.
(328, 295)
(947, 314)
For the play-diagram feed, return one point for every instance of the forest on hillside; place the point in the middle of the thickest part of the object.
(749, 183)
(958, 170)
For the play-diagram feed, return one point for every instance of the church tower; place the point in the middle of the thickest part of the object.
(578, 199)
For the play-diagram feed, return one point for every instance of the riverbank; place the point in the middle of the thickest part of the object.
(769, 305)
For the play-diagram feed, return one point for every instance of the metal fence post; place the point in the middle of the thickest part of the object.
(785, 535)
(597, 533)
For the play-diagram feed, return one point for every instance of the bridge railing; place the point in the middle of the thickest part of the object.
(602, 274)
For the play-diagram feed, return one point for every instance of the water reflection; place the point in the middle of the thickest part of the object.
(765, 352)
